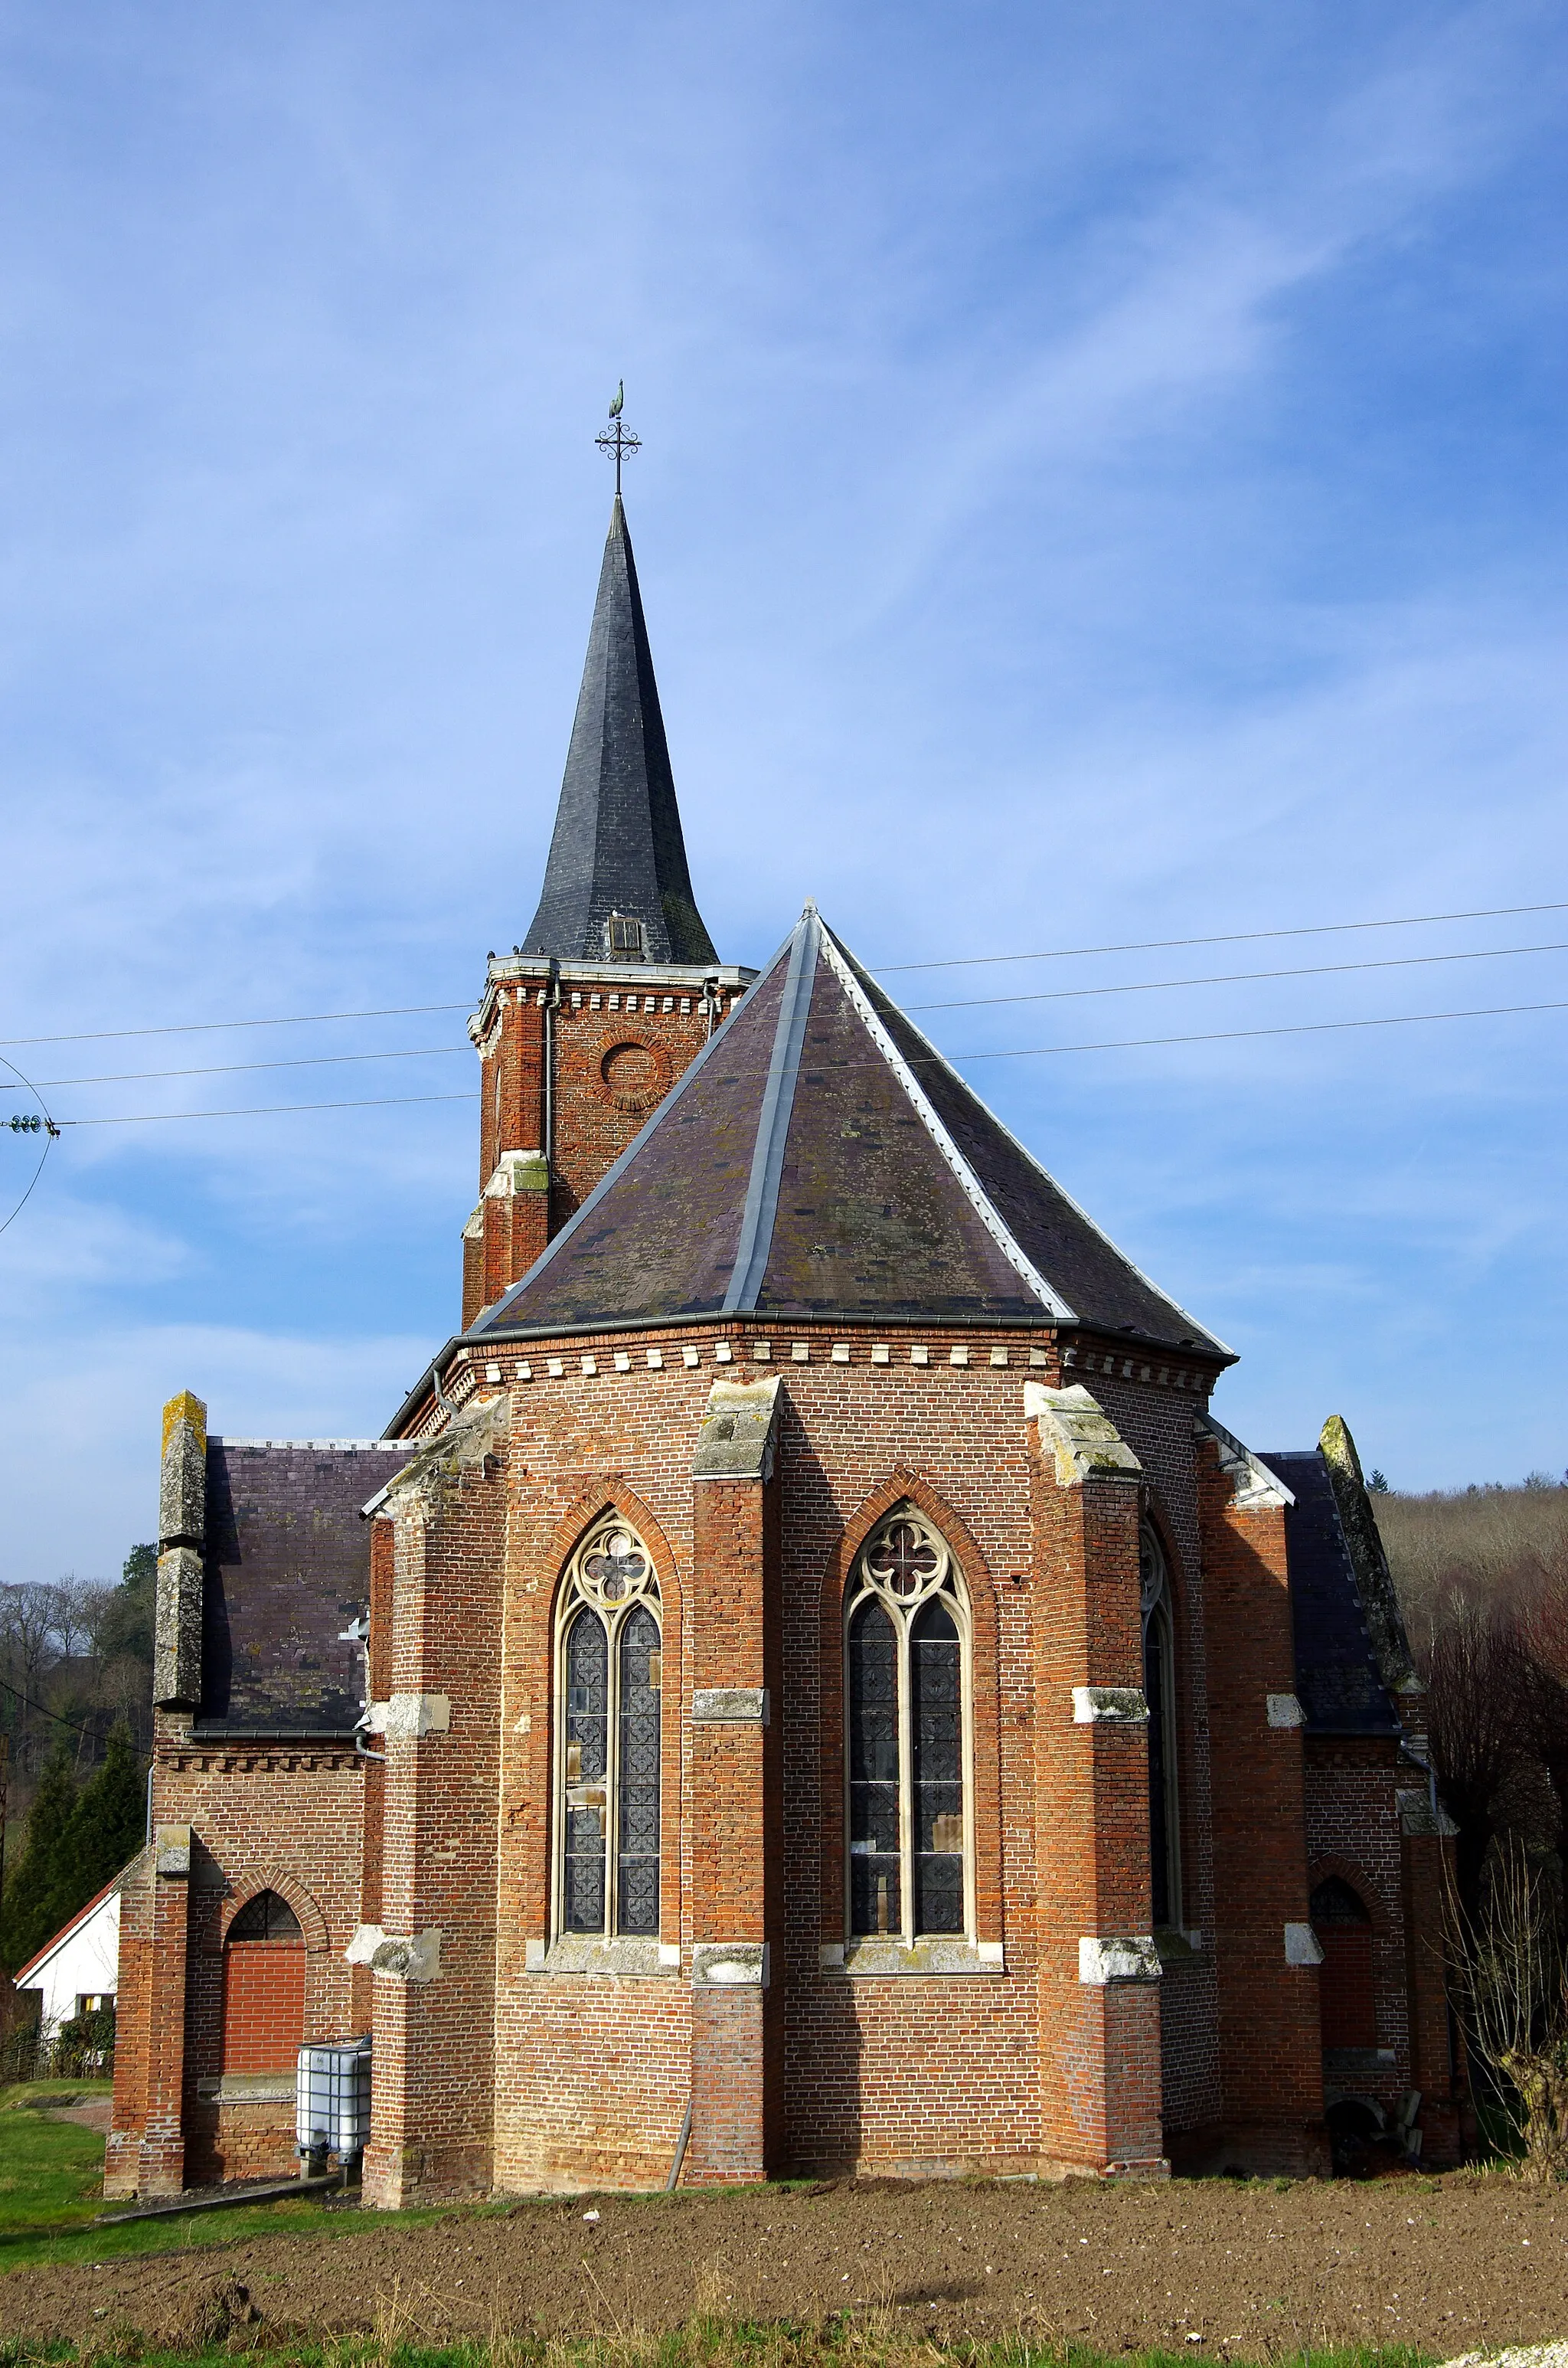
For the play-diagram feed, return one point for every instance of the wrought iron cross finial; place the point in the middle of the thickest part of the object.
(618, 440)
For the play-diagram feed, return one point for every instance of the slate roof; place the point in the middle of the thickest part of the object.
(618, 845)
(1337, 1681)
(287, 1570)
(840, 1168)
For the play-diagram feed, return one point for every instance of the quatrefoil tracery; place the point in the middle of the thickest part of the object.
(612, 1567)
(905, 1560)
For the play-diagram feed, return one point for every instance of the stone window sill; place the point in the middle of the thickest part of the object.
(249, 2089)
(1177, 1947)
(877, 1960)
(604, 1960)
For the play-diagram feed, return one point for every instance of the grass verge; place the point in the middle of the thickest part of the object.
(850, 2341)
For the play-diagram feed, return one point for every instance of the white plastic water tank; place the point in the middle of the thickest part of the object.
(332, 2099)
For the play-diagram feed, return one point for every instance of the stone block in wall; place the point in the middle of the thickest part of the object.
(182, 1485)
(176, 1631)
(1081, 1439)
(736, 1440)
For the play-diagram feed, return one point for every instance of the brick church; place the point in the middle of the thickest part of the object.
(804, 1682)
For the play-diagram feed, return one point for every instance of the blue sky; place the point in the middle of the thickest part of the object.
(1103, 481)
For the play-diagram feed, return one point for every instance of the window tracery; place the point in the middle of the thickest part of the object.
(609, 1677)
(908, 1795)
(1160, 1693)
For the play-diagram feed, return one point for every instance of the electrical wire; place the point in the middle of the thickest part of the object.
(914, 1060)
(43, 1712)
(953, 962)
(1237, 937)
(1239, 977)
(965, 1003)
(243, 1069)
(50, 1131)
(268, 1110)
(206, 1027)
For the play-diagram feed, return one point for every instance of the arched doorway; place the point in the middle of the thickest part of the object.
(264, 1987)
(1348, 2004)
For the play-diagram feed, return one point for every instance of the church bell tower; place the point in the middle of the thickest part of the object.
(583, 1028)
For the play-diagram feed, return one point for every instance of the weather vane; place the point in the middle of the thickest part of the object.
(617, 438)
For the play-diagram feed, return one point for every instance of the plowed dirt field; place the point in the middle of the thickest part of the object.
(1251, 2269)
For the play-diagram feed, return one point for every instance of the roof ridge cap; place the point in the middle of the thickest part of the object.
(1056, 1185)
(490, 1316)
(760, 1210)
(969, 1182)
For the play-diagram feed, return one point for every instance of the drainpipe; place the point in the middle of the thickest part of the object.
(553, 999)
(681, 2144)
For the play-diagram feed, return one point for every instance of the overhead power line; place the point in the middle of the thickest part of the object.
(207, 1027)
(265, 1110)
(966, 1003)
(917, 1061)
(952, 961)
(1236, 977)
(1236, 938)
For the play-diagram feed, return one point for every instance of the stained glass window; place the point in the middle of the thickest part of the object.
(637, 1863)
(936, 1679)
(610, 1678)
(906, 1660)
(875, 1860)
(1159, 1692)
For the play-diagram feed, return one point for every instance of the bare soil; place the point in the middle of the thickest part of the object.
(1252, 2268)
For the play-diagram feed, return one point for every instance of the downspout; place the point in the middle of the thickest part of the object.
(552, 998)
(681, 2144)
(360, 1634)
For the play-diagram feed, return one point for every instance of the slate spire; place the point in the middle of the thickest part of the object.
(618, 848)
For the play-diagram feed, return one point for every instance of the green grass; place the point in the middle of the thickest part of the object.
(51, 2171)
(51, 2192)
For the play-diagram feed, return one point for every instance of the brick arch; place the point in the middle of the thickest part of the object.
(901, 1486)
(606, 1492)
(1348, 1980)
(250, 1882)
(609, 1493)
(1321, 1869)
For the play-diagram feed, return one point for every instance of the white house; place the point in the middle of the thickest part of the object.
(80, 1967)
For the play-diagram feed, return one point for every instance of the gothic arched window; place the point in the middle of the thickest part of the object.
(1160, 1693)
(609, 1674)
(906, 1638)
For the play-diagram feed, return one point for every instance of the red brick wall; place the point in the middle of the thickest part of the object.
(263, 1817)
(609, 1069)
(1270, 2050)
(264, 2005)
(1353, 1830)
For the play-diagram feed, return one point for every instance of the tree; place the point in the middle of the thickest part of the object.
(38, 1896)
(110, 1822)
(126, 1625)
